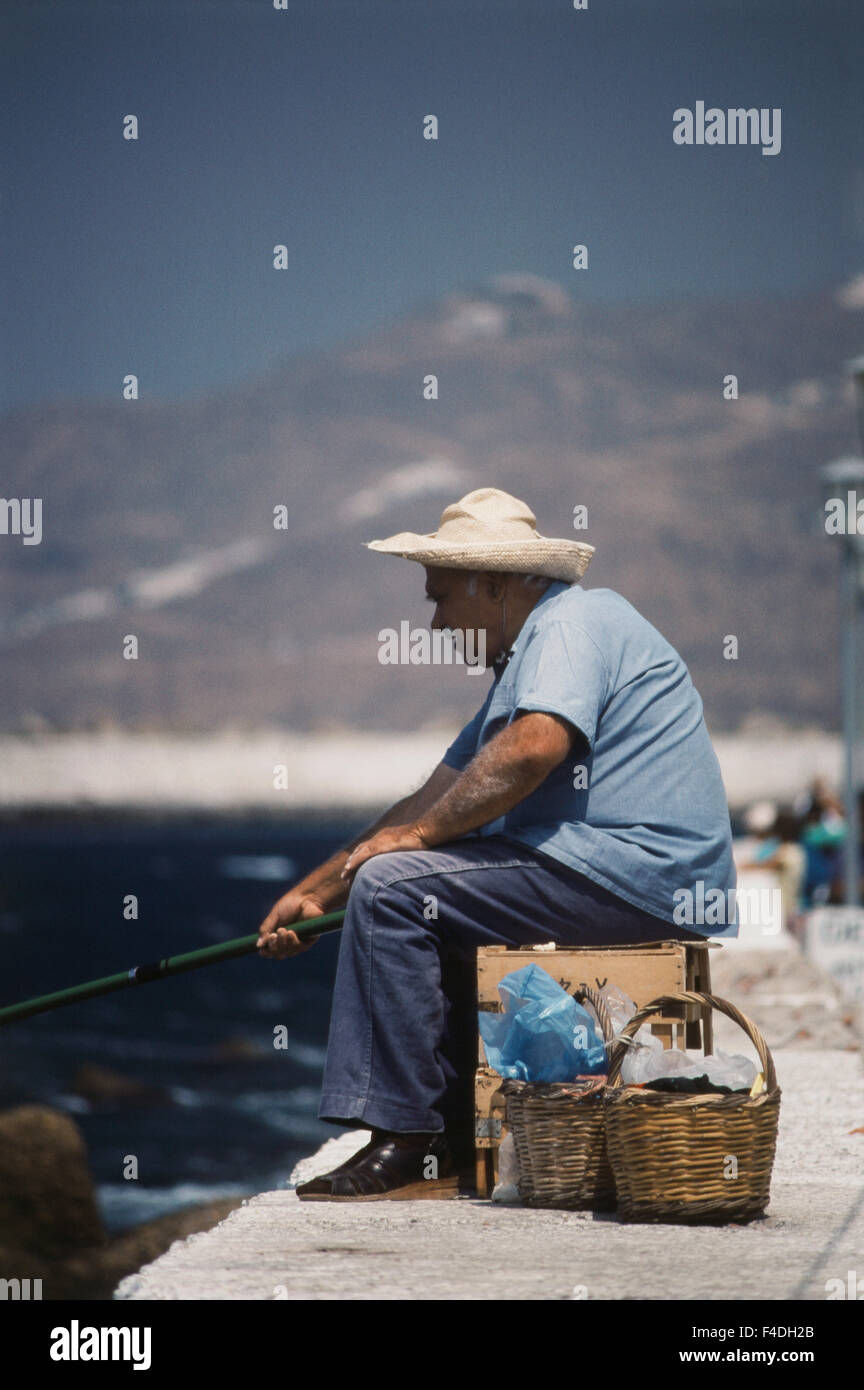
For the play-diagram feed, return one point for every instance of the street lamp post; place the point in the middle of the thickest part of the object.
(843, 484)
(855, 369)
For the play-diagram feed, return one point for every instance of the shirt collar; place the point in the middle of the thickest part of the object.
(555, 588)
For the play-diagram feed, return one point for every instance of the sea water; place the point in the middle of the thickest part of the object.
(220, 1111)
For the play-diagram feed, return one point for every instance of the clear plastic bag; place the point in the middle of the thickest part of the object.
(648, 1060)
(543, 1034)
(619, 1006)
(506, 1189)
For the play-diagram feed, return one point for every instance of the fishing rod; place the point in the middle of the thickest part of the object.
(161, 969)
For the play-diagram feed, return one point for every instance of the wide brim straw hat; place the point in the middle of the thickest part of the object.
(490, 530)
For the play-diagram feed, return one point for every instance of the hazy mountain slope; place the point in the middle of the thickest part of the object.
(705, 513)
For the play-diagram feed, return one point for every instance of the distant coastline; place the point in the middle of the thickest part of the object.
(281, 773)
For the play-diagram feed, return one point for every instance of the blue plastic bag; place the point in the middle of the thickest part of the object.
(543, 1034)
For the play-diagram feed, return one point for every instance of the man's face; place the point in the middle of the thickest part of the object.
(461, 611)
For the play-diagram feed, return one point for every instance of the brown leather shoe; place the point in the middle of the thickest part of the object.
(388, 1171)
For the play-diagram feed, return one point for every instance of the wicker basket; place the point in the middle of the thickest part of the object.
(558, 1131)
(691, 1158)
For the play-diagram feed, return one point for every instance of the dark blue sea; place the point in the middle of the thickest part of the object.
(224, 1113)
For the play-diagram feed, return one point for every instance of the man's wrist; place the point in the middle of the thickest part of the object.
(424, 831)
(331, 895)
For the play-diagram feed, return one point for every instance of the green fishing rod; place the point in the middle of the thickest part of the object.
(162, 969)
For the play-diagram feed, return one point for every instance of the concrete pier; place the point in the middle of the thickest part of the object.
(276, 1247)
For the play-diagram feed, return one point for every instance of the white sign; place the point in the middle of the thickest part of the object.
(834, 939)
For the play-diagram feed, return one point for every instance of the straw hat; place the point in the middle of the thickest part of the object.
(490, 530)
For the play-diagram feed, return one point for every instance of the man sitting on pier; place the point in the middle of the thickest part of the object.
(579, 799)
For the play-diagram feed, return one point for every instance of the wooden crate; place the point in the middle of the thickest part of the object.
(643, 972)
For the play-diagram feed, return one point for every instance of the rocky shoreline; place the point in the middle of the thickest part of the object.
(50, 1226)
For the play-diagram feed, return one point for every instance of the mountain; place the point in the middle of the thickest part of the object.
(706, 513)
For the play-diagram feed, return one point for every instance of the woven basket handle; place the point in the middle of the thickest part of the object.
(688, 997)
(598, 1003)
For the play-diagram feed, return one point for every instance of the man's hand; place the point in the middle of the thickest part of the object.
(275, 940)
(327, 887)
(384, 841)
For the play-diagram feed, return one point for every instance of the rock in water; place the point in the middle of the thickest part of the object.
(47, 1203)
(102, 1086)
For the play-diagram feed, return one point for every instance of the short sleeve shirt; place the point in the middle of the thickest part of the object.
(640, 806)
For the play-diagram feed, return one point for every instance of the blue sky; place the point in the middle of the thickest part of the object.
(304, 127)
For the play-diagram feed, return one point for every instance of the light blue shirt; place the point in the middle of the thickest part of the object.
(653, 819)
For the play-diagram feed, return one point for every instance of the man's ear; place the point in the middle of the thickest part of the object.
(495, 585)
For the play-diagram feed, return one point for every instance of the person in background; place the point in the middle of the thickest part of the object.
(823, 834)
(780, 850)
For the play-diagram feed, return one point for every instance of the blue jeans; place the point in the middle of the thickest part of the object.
(403, 1031)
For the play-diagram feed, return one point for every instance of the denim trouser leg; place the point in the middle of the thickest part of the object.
(402, 1045)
